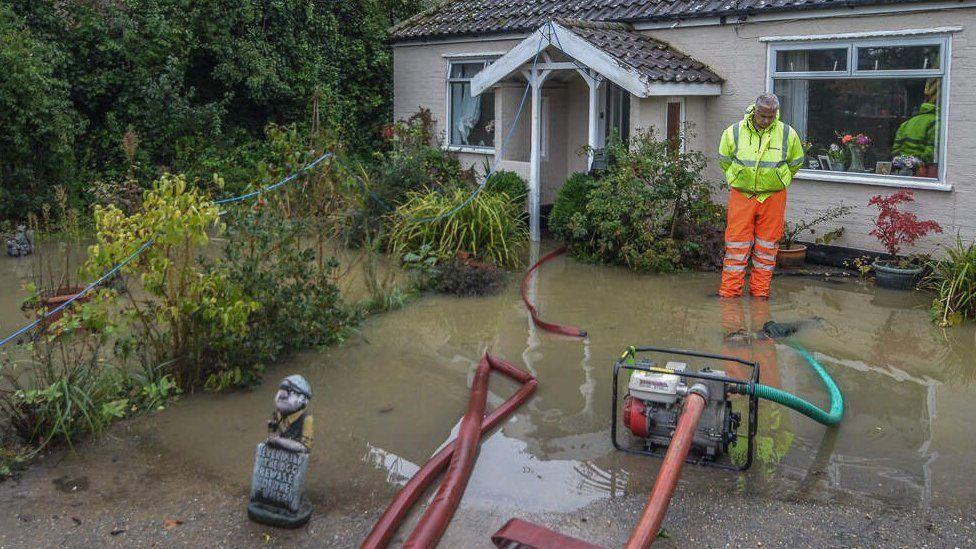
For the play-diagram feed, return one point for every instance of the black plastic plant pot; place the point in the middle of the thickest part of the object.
(896, 278)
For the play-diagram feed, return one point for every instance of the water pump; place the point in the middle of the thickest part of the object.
(655, 397)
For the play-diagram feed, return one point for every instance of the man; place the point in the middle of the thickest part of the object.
(916, 136)
(759, 155)
(290, 427)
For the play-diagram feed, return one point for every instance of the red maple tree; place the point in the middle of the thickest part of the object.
(894, 227)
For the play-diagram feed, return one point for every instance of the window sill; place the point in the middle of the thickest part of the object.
(875, 180)
(470, 149)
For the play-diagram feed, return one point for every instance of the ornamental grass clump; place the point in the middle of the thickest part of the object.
(490, 226)
(953, 279)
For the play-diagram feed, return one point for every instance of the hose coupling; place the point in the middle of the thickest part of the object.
(696, 389)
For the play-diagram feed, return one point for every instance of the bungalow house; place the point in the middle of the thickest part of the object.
(608, 67)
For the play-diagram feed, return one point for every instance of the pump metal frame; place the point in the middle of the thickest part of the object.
(628, 361)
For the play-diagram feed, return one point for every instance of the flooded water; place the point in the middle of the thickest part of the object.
(385, 401)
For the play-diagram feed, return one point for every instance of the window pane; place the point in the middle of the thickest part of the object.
(899, 117)
(834, 59)
(466, 70)
(472, 118)
(893, 58)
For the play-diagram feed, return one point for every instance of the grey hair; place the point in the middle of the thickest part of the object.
(768, 100)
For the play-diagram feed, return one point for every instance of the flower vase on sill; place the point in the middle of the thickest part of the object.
(857, 159)
(857, 144)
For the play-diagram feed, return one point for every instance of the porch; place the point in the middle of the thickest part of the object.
(589, 81)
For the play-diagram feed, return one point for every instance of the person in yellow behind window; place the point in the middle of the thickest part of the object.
(916, 136)
(759, 156)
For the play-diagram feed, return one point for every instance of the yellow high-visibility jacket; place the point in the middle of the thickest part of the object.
(759, 163)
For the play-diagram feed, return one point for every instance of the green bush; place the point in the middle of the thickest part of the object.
(953, 279)
(190, 317)
(196, 81)
(570, 200)
(75, 379)
(38, 120)
(301, 306)
(651, 210)
(489, 227)
(509, 183)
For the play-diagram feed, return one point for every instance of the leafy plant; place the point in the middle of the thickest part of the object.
(894, 227)
(651, 210)
(490, 226)
(794, 230)
(422, 265)
(508, 182)
(267, 257)
(953, 279)
(570, 201)
(190, 317)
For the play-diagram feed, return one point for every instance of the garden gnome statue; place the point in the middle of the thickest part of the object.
(281, 461)
(21, 243)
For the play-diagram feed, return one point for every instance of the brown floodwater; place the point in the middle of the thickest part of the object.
(391, 396)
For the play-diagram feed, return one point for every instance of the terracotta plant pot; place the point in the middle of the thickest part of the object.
(793, 257)
(52, 299)
(896, 278)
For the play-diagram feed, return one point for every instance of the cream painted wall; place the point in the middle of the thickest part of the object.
(739, 57)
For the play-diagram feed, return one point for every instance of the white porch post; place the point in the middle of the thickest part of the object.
(536, 78)
(593, 81)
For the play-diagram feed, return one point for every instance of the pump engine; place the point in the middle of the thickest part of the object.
(654, 400)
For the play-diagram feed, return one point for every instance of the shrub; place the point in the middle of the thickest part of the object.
(74, 383)
(651, 210)
(570, 200)
(300, 303)
(190, 317)
(463, 279)
(490, 226)
(508, 182)
(953, 279)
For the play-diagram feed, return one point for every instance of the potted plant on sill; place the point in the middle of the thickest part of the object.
(792, 253)
(905, 165)
(836, 156)
(893, 227)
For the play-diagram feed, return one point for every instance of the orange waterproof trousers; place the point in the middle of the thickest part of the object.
(752, 227)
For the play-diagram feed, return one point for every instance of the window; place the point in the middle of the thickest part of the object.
(887, 95)
(472, 118)
(617, 113)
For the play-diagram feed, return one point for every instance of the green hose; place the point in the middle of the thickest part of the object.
(832, 417)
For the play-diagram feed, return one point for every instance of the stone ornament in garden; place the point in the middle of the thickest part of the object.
(21, 243)
(281, 461)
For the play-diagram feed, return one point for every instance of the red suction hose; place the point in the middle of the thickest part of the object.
(667, 477)
(387, 525)
(534, 313)
(434, 521)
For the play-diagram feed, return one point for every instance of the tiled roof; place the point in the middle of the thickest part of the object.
(468, 17)
(656, 60)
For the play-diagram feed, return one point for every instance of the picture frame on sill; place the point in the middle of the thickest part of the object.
(883, 168)
(824, 162)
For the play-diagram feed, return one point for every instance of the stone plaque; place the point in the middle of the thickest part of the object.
(278, 477)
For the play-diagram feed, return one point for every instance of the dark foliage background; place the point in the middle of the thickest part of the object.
(196, 80)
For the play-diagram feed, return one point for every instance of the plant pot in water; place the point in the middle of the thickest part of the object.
(52, 299)
(898, 278)
(792, 257)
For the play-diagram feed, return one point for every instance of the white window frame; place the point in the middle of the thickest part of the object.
(852, 43)
(459, 60)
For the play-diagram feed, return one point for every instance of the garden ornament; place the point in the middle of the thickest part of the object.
(281, 461)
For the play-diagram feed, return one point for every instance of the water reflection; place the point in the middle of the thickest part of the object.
(389, 400)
